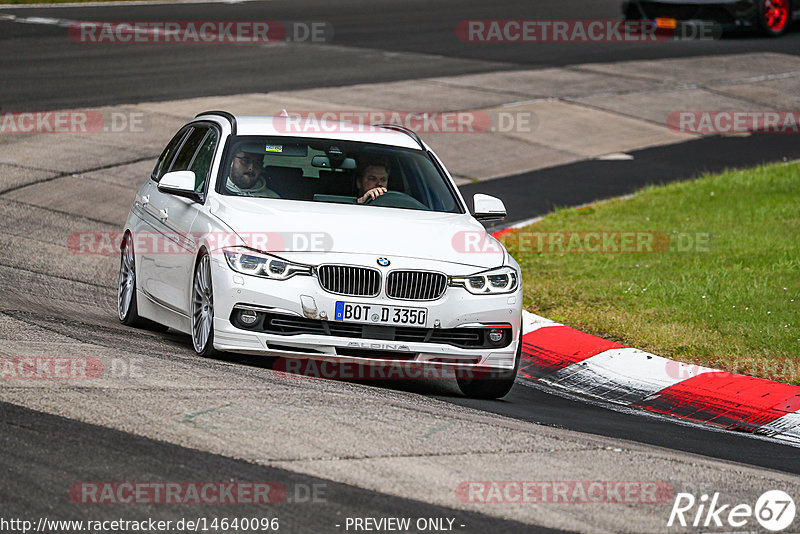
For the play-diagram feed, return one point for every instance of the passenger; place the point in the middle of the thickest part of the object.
(372, 180)
(245, 178)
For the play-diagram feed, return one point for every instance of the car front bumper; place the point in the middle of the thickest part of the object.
(302, 297)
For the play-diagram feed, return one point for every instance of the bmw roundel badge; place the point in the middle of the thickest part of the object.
(383, 262)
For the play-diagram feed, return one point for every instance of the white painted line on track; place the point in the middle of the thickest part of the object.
(531, 101)
(120, 3)
(526, 222)
(762, 78)
(48, 21)
(533, 220)
(615, 156)
(66, 23)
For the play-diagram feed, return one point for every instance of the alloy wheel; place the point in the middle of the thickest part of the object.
(202, 305)
(127, 280)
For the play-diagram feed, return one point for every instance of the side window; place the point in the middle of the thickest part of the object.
(201, 164)
(189, 148)
(166, 156)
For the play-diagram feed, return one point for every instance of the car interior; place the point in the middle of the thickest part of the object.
(321, 171)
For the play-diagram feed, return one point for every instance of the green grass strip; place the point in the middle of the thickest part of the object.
(704, 271)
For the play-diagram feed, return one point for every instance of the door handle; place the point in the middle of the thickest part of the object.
(163, 214)
(145, 200)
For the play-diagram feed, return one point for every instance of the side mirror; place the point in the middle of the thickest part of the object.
(486, 208)
(180, 183)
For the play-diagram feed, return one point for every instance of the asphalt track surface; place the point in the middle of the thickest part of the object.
(539, 406)
(536, 193)
(50, 453)
(376, 41)
(389, 42)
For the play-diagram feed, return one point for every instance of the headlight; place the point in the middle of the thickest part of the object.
(493, 282)
(246, 261)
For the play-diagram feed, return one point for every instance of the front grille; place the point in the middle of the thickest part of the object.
(290, 325)
(349, 280)
(415, 285)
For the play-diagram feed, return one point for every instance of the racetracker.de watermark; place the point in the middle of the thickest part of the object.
(289, 368)
(420, 121)
(50, 368)
(584, 242)
(73, 122)
(204, 493)
(199, 32)
(786, 368)
(154, 243)
(576, 31)
(29, 369)
(734, 121)
(564, 491)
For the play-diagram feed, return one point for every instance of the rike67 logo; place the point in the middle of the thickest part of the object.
(774, 510)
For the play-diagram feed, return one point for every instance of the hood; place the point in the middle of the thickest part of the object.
(295, 226)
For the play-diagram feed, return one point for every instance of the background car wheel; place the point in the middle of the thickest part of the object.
(495, 384)
(203, 308)
(127, 309)
(774, 16)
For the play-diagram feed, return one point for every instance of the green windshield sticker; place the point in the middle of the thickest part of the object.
(274, 148)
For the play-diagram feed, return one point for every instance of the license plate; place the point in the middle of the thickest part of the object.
(370, 313)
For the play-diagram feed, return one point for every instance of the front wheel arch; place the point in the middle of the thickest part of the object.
(494, 384)
(131, 316)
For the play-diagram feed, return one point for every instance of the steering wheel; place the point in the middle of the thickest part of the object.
(396, 199)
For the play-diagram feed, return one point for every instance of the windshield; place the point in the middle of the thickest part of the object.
(342, 172)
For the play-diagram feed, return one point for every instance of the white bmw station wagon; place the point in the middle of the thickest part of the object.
(338, 242)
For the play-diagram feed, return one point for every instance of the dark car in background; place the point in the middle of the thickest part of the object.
(773, 17)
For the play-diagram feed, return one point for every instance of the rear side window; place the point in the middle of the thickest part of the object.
(186, 153)
(201, 164)
(163, 163)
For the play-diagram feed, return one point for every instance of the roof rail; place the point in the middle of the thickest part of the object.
(225, 114)
(409, 132)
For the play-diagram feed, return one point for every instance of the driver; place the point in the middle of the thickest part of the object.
(245, 177)
(372, 180)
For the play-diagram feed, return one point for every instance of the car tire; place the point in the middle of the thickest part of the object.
(774, 16)
(493, 386)
(203, 308)
(127, 309)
